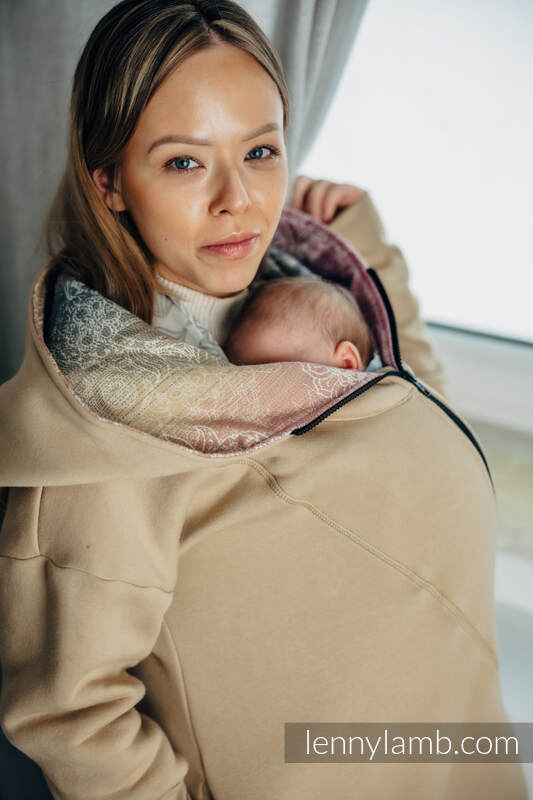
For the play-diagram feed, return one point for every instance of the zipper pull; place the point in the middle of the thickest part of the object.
(413, 379)
(422, 388)
(417, 383)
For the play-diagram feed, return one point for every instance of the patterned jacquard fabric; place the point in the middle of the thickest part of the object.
(175, 319)
(126, 372)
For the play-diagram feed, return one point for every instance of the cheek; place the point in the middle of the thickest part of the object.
(280, 187)
(161, 213)
(273, 192)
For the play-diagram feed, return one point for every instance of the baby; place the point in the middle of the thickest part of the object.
(300, 318)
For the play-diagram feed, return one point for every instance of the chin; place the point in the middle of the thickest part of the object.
(231, 283)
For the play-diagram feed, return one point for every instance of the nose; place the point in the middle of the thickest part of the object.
(230, 194)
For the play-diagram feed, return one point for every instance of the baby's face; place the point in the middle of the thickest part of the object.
(257, 343)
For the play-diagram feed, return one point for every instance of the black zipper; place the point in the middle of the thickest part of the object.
(420, 386)
(355, 393)
(459, 422)
(401, 372)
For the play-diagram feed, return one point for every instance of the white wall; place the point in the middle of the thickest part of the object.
(434, 116)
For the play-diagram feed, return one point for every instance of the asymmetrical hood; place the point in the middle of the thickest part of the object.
(114, 369)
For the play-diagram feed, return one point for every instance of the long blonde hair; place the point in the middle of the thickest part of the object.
(128, 55)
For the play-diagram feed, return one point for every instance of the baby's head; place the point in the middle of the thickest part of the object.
(300, 318)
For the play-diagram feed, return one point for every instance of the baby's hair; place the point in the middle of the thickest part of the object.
(282, 298)
(130, 52)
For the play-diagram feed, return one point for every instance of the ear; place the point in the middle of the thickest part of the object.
(347, 356)
(111, 196)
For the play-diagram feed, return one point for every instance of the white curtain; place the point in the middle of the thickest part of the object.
(40, 43)
(314, 39)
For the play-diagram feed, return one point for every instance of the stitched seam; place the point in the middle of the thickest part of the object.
(183, 684)
(413, 576)
(86, 572)
(78, 569)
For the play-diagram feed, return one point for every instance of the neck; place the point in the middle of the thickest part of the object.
(214, 312)
(170, 282)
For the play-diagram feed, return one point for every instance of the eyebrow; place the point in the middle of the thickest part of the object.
(179, 138)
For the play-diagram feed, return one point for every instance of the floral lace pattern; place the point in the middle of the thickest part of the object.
(126, 372)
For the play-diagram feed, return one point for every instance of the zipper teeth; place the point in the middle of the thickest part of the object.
(453, 416)
(401, 373)
(412, 379)
(390, 313)
(355, 393)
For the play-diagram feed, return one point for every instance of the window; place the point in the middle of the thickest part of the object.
(434, 116)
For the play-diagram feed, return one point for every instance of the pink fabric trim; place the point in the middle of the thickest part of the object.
(326, 254)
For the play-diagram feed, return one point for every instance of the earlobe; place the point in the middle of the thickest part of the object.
(112, 197)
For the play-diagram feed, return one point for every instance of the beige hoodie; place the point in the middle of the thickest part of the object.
(194, 554)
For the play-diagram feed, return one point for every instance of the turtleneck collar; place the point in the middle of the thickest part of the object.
(215, 313)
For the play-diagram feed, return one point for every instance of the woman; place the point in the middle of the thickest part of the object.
(180, 576)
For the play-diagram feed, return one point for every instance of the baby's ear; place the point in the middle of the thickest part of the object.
(347, 356)
(111, 196)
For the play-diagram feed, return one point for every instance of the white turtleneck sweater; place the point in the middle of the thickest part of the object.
(216, 314)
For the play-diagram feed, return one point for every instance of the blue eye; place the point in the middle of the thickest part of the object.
(273, 151)
(183, 161)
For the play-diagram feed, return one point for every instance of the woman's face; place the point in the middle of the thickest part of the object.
(207, 159)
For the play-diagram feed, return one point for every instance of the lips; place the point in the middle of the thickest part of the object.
(236, 245)
(234, 238)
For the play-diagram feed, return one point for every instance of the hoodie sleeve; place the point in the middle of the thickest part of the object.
(67, 640)
(361, 226)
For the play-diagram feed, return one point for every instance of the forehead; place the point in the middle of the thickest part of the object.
(220, 90)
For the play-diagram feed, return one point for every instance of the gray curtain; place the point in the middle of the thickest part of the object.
(40, 43)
